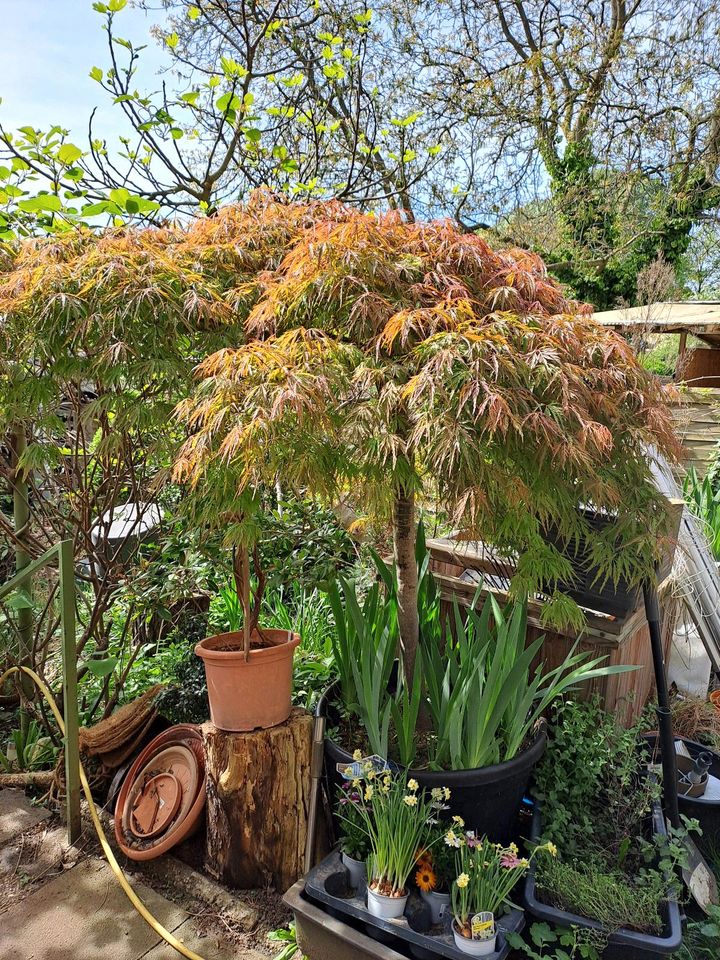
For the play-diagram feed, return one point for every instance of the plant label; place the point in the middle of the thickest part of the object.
(482, 926)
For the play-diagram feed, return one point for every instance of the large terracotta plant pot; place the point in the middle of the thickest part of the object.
(249, 694)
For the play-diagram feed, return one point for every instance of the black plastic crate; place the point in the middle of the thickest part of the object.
(622, 944)
(397, 933)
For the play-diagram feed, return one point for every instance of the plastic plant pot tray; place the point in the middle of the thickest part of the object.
(623, 944)
(397, 934)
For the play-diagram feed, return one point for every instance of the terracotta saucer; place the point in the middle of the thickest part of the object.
(177, 752)
(155, 805)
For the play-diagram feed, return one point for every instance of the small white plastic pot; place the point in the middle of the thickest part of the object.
(439, 904)
(356, 869)
(474, 948)
(385, 908)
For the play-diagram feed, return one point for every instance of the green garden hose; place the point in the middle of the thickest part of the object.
(109, 855)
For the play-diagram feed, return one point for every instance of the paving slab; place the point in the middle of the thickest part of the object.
(17, 814)
(84, 915)
(209, 948)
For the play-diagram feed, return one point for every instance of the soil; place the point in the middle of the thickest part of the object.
(238, 647)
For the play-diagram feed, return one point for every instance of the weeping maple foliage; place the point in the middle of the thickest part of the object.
(396, 358)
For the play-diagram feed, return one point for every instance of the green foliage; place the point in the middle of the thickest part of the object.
(702, 937)
(596, 796)
(303, 543)
(310, 615)
(474, 673)
(185, 698)
(354, 841)
(662, 357)
(364, 648)
(588, 779)
(589, 889)
(28, 749)
(553, 943)
(283, 935)
(703, 498)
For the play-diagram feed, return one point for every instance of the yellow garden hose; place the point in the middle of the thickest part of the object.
(109, 855)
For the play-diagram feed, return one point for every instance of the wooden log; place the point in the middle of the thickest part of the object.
(38, 778)
(258, 791)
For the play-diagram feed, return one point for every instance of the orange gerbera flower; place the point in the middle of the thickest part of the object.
(425, 878)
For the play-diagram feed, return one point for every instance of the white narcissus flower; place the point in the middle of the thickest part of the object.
(410, 800)
(413, 785)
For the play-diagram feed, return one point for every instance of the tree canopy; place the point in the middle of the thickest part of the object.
(588, 132)
(400, 359)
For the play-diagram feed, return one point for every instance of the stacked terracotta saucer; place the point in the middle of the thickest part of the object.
(162, 797)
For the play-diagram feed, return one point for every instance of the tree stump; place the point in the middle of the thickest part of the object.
(258, 793)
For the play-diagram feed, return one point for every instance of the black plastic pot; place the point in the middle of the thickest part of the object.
(704, 809)
(487, 798)
(621, 944)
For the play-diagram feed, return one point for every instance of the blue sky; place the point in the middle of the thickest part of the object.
(49, 47)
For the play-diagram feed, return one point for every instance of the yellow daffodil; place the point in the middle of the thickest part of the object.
(459, 821)
(413, 785)
(462, 881)
(551, 848)
(357, 755)
(368, 792)
(410, 800)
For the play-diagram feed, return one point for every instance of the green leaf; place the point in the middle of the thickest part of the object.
(96, 74)
(21, 600)
(42, 202)
(227, 102)
(117, 5)
(102, 668)
(172, 40)
(190, 97)
(69, 153)
(193, 13)
(231, 68)
(541, 933)
(253, 134)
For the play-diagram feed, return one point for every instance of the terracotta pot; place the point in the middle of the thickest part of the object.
(247, 695)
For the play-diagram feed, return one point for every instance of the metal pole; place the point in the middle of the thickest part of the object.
(667, 741)
(21, 523)
(70, 699)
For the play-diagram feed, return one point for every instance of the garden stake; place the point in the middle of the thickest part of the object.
(698, 877)
(667, 741)
(316, 772)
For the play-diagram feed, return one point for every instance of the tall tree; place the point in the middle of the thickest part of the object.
(607, 112)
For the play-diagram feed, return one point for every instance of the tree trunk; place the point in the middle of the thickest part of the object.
(258, 795)
(404, 537)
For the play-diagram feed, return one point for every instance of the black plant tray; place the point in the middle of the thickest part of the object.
(398, 933)
(623, 944)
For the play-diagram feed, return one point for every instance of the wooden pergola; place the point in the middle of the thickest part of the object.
(701, 318)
